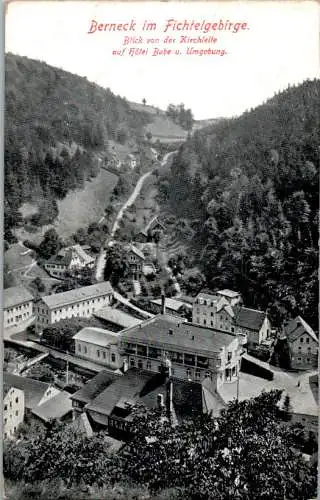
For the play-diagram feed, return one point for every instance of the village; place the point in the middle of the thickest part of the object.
(144, 344)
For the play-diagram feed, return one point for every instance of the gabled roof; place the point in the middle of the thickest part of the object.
(34, 390)
(15, 295)
(151, 224)
(173, 304)
(94, 386)
(297, 327)
(76, 251)
(131, 387)
(54, 408)
(81, 425)
(77, 295)
(135, 250)
(96, 336)
(249, 318)
(117, 317)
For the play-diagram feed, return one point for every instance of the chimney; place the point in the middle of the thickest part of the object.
(163, 303)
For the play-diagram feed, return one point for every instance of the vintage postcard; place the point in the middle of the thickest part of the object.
(161, 227)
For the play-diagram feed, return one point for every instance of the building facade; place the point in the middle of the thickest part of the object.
(224, 311)
(303, 344)
(134, 260)
(13, 410)
(70, 259)
(17, 306)
(80, 302)
(196, 353)
(98, 345)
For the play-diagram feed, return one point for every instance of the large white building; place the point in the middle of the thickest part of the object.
(80, 302)
(17, 306)
(98, 345)
(195, 352)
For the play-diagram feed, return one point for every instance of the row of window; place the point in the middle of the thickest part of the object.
(18, 318)
(84, 349)
(19, 308)
(10, 404)
(307, 339)
(189, 372)
(10, 416)
(204, 322)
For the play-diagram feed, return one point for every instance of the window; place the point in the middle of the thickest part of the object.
(204, 321)
(17, 413)
(229, 356)
(307, 340)
(113, 357)
(188, 372)
(148, 365)
(232, 329)
(79, 347)
(308, 360)
(299, 348)
(10, 404)
(309, 349)
(301, 339)
(159, 368)
(85, 349)
(17, 400)
(198, 374)
(5, 420)
(132, 362)
(140, 365)
(211, 323)
(104, 354)
(212, 314)
(5, 407)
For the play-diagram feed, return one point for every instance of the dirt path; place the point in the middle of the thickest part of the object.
(101, 261)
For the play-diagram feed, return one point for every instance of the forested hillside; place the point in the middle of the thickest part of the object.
(55, 121)
(249, 189)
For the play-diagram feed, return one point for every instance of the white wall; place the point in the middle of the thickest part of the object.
(13, 412)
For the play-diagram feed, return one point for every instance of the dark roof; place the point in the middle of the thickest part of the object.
(94, 386)
(15, 295)
(132, 387)
(167, 330)
(250, 318)
(142, 387)
(297, 327)
(34, 390)
(54, 408)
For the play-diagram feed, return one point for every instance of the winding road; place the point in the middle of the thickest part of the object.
(101, 261)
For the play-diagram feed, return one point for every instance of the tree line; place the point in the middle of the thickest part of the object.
(249, 188)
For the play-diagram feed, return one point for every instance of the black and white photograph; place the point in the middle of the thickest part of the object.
(160, 255)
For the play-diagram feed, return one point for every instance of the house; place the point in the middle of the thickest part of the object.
(116, 318)
(17, 306)
(213, 310)
(13, 409)
(59, 407)
(303, 344)
(196, 352)
(91, 389)
(98, 345)
(154, 225)
(82, 302)
(172, 306)
(224, 311)
(134, 260)
(70, 259)
(112, 408)
(254, 324)
(35, 392)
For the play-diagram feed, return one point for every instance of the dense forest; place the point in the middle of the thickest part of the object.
(55, 122)
(248, 188)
